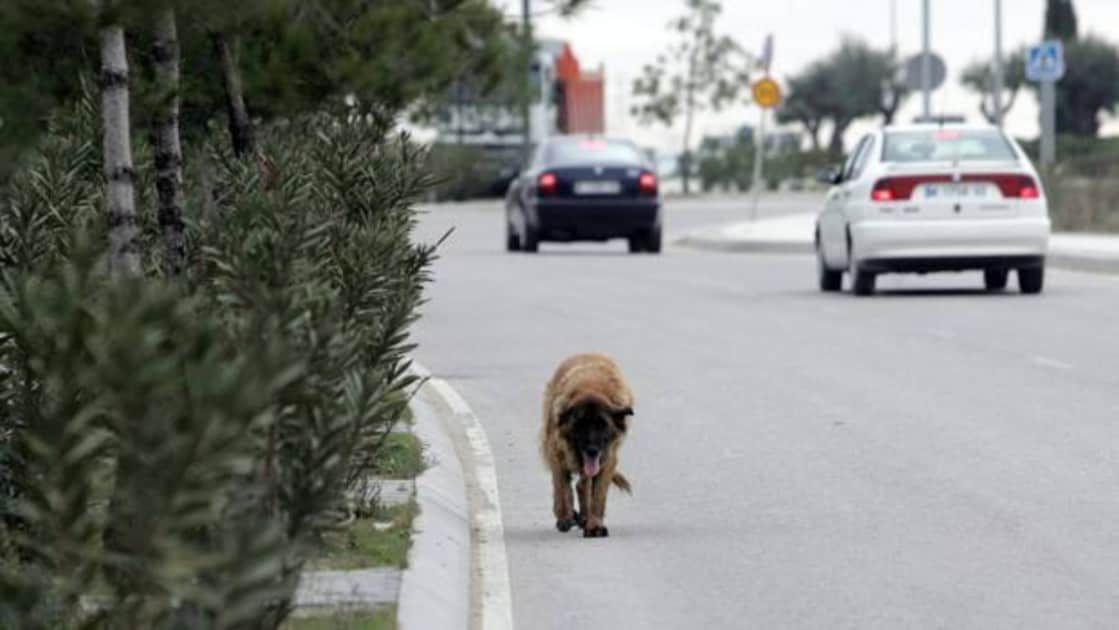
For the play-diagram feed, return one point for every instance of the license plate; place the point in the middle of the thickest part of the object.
(598, 188)
(957, 191)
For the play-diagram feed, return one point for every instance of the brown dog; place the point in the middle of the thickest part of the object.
(586, 409)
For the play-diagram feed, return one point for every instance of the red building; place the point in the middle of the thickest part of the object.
(581, 96)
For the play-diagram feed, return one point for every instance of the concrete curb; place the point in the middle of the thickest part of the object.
(434, 591)
(714, 242)
(1078, 262)
(458, 573)
(780, 235)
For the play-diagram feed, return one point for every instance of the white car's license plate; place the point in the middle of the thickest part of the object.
(606, 187)
(957, 190)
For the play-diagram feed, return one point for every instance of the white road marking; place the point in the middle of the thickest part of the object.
(1051, 363)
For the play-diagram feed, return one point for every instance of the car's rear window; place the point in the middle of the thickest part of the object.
(594, 151)
(946, 145)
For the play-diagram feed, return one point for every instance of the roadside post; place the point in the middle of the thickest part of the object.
(1045, 64)
(767, 94)
(925, 72)
(926, 58)
(998, 74)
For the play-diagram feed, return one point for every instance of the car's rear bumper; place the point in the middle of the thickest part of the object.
(959, 244)
(593, 219)
(959, 263)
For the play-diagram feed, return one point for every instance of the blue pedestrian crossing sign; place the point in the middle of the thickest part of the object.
(1046, 61)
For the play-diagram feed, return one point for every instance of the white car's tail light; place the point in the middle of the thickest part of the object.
(901, 188)
(1011, 185)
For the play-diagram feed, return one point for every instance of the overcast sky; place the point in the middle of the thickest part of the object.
(623, 35)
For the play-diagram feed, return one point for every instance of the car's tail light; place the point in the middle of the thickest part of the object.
(897, 188)
(647, 184)
(1011, 185)
(547, 184)
(882, 194)
(900, 188)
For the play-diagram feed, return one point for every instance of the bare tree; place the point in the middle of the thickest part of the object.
(978, 78)
(124, 254)
(702, 70)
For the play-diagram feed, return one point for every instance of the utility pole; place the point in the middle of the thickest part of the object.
(529, 85)
(926, 61)
(894, 28)
(1048, 123)
(998, 77)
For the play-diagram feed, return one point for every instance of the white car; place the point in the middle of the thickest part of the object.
(927, 198)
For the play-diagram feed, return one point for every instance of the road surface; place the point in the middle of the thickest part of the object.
(934, 457)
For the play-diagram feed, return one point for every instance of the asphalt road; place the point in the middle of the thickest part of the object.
(934, 457)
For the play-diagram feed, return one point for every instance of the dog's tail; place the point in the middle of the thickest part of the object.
(622, 483)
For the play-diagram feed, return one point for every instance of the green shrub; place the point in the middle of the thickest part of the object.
(462, 172)
(189, 439)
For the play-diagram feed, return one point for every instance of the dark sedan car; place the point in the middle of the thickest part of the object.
(584, 189)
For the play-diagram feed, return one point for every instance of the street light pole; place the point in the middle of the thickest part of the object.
(528, 85)
(926, 61)
(894, 28)
(998, 73)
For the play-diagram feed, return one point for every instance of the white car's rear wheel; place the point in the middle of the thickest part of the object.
(1031, 280)
(862, 281)
(995, 279)
(830, 281)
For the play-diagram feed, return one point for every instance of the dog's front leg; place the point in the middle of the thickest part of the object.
(585, 489)
(563, 504)
(596, 516)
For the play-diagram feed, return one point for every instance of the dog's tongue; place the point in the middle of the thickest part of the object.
(590, 465)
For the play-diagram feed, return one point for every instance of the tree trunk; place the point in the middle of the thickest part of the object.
(835, 147)
(987, 106)
(168, 147)
(124, 257)
(124, 251)
(813, 129)
(890, 106)
(240, 125)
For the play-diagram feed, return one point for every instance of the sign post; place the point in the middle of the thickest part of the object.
(1048, 122)
(1045, 63)
(998, 79)
(767, 94)
(926, 62)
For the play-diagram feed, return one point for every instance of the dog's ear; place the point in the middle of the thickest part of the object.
(621, 418)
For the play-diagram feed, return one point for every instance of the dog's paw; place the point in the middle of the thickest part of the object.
(565, 524)
(580, 520)
(596, 532)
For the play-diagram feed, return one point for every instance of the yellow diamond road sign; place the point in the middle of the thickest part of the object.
(767, 93)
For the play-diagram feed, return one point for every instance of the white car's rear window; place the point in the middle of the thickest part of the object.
(946, 145)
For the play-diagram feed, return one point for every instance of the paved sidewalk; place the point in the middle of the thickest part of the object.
(793, 234)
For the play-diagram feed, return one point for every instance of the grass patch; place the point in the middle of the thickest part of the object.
(368, 543)
(380, 620)
(400, 457)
